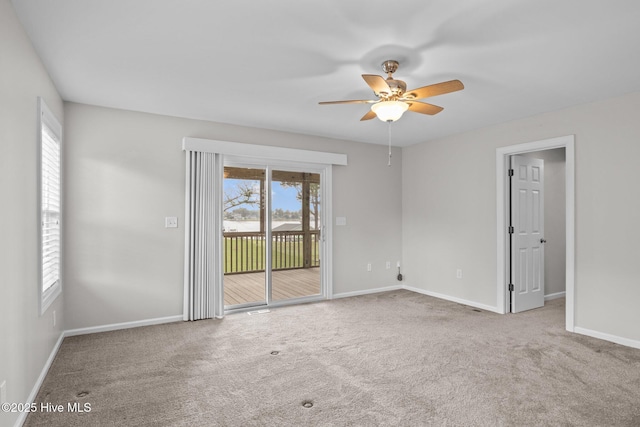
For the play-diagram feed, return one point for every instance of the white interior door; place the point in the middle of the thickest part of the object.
(527, 234)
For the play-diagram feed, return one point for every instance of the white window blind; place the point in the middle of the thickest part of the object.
(50, 208)
(49, 286)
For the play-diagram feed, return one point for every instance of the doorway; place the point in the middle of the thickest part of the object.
(272, 235)
(527, 241)
(503, 156)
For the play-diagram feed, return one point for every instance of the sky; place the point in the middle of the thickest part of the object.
(281, 197)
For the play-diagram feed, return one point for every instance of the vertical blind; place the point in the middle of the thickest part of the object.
(50, 205)
(202, 299)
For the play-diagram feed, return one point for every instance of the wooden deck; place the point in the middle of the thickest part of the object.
(286, 284)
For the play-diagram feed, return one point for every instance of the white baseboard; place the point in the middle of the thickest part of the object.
(607, 337)
(555, 296)
(420, 291)
(36, 387)
(366, 292)
(452, 299)
(125, 325)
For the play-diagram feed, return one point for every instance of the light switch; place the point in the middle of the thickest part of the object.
(341, 220)
(171, 222)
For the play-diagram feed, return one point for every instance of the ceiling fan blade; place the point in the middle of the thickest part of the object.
(377, 83)
(370, 115)
(349, 101)
(424, 108)
(433, 90)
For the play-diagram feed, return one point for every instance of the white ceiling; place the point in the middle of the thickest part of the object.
(266, 64)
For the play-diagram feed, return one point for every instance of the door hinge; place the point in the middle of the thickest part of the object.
(511, 287)
(511, 230)
(510, 172)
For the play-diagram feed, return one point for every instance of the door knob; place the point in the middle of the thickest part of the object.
(543, 241)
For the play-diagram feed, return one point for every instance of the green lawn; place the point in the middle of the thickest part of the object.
(243, 255)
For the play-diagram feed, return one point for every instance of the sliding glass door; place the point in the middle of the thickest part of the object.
(244, 237)
(295, 235)
(272, 223)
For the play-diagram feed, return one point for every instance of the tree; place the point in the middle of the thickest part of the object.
(243, 193)
(314, 198)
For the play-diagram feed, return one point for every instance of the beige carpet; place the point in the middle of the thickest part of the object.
(396, 358)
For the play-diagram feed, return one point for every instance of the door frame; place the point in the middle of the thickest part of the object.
(326, 265)
(502, 210)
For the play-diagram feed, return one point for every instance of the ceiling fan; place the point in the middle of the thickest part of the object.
(394, 98)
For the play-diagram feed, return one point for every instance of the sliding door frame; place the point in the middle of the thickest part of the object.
(325, 172)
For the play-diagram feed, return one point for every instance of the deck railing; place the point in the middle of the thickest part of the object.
(244, 252)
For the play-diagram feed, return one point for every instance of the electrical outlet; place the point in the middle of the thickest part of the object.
(459, 273)
(368, 266)
(388, 265)
(171, 222)
(3, 392)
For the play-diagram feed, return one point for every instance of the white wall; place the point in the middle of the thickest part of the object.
(125, 173)
(449, 210)
(554, 219)
(27, 339)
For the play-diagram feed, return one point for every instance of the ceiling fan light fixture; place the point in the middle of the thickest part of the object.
(389, 111)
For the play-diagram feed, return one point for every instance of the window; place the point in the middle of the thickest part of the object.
(50, 207)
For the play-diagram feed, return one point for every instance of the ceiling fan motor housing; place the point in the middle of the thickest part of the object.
(398, 87)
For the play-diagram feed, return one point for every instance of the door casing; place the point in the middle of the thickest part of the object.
(502, 210)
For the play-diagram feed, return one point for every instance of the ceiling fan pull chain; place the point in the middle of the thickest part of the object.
(389, 164)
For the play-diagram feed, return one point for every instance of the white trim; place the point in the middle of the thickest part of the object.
(366, 292)
(36, 387)
(452, 299)
(124, 325)
(268, 234)
(502, 155)
(555, 296)
(50, 295)
(266, 152)
(326, 233)
(607, 337)
(419, 291)
(570, 206)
